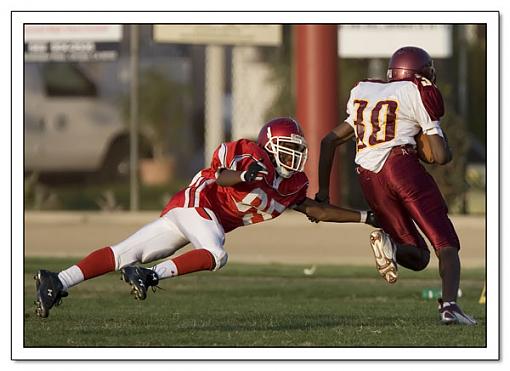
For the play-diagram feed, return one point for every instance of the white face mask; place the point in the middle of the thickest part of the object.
(290, 153)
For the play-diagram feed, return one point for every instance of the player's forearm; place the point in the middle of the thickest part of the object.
(340, 134)
(329, 213)
(335, 214)
(440, 150)
(327, 153)
(228, 178)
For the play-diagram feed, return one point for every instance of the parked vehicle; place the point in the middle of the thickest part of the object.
(70, 128)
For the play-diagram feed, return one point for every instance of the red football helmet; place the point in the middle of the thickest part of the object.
(283, 138)
(408, 61)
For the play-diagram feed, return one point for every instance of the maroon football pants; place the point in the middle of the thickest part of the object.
(403, 192)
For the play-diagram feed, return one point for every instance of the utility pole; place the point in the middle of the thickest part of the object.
(463, 101)
(316, 55)
(133, 118)
(214, 94)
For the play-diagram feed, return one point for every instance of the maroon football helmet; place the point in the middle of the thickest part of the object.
(409, 61)
(283, 139)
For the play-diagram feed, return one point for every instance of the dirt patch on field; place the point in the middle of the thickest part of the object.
(288, 239)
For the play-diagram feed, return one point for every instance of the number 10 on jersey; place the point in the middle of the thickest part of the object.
(381, 125)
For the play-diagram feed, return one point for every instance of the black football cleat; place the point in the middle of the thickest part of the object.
(452, 314)
(140, 279)
(49, 292)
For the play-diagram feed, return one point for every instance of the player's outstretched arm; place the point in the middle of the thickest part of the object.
(328, 213)
(340, 134)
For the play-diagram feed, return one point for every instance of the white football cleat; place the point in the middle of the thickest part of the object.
(385, 253)
(451, 313)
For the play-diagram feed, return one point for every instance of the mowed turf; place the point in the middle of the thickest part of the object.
(255, 306)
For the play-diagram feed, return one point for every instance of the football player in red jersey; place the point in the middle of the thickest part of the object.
(248, 182)
(384, 117)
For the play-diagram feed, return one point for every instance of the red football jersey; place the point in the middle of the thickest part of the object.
(243, 203)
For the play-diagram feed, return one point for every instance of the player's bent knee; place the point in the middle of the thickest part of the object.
(422, 263)
(220, 259)
(125, 257)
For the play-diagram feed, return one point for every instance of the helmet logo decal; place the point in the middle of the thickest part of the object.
(268, 133)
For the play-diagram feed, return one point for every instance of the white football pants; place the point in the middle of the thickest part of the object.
(164, 236)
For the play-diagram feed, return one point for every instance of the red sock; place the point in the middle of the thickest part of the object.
(97, 263)
(194, 261)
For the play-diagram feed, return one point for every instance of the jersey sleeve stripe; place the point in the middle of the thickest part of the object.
(238, 158)
(186, 197)
(189, 195)
(195, 179)
(222, 155)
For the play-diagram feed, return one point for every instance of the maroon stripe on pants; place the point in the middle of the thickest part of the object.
(403, 191)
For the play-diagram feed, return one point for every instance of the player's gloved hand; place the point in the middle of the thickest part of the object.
(322, 198)
(256, 171)
(372, 219)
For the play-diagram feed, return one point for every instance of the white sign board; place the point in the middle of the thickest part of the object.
(242, 34)
(380, 41)
(75, 32)
(72, 43)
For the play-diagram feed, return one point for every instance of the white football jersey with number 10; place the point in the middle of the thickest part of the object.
(389, 114)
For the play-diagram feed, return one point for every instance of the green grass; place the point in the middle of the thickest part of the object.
(255, 305)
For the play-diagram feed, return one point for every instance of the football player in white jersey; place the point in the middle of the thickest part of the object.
(384, 117)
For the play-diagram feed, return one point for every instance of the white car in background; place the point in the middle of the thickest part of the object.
(69, 128)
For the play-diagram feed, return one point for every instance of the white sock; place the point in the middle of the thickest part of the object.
(71, 276)
(166, 269)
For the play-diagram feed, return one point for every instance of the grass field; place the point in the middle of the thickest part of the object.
(254, 306)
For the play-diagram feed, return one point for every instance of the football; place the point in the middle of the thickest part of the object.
(423, 148)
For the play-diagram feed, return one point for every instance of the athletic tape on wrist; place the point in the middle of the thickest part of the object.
(363, 216)
(243, 174)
